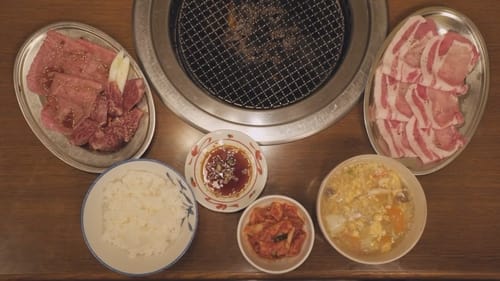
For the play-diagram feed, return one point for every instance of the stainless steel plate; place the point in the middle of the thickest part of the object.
(472, 104)
(31, 104)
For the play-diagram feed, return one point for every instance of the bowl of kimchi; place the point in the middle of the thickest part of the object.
(275, 234)
(371, 209)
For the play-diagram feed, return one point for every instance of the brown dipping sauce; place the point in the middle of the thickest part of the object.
(226, 170)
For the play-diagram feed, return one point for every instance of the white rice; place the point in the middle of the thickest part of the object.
(142, 213)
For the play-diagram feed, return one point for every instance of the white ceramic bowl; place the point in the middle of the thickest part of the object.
(284, 264)
(417, 225)
(117, 259)
(194, 168)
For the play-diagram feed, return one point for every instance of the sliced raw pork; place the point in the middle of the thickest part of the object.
(430, 144)
(434, 108)
(416, 91)
(62, 54)
(394, 135)
(446, 62)
(389, 97)
(401, 60)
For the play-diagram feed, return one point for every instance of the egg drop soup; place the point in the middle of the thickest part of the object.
(366, 208)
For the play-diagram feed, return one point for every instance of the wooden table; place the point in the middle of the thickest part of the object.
(41, 197)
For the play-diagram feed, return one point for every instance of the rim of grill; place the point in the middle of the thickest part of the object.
(263, 54)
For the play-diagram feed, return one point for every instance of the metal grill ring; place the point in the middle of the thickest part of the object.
(263, 54)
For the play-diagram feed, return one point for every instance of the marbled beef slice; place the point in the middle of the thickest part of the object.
(133, 93)
(71, 100)
(62, 54)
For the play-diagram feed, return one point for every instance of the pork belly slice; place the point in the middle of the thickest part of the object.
(448, 139)
(62, 54)
(402, 58)
(394, 134)
(431, 145)
(132, 93)
(389, 97)
(446, 62)
(434, 108)
(71, 100)
(119, 131)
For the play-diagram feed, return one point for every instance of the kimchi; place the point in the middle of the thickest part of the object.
(276, 231)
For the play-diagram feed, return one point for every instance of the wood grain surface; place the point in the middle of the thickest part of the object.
(41, 196)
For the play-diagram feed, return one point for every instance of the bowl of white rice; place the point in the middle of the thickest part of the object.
(139, 217)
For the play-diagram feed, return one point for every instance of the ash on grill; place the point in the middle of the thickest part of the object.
(260, 45)
(261, 54)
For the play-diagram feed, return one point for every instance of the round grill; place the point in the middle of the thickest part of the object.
(263, 54)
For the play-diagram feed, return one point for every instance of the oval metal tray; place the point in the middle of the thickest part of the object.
(472, 104)
(31, 104)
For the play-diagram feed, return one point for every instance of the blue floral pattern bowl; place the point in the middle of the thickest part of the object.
(117, 259)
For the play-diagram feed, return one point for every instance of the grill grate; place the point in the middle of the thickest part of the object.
(262, 54)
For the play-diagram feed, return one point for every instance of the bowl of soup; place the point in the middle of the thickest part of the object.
(371, 209)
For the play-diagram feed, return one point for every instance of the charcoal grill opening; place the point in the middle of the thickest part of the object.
(261, 54)
(278, 70)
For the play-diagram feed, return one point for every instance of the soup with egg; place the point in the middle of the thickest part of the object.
(366, 208)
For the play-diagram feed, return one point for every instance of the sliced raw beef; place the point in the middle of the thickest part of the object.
(106, 141)
(83, 132)
(446, 62)
(78, 57)
(390, 98)
(100, 112)
(126, 125)
(70, 101)
(115, 99)
(55, 118)
(80, 102)
(132, 93)
(433, 108)
(99, 53)
(401, 60)
(118, 131)
(431, 145)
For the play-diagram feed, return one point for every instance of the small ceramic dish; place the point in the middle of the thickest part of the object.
(119, 259)
(226, 170)
(297, 252)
